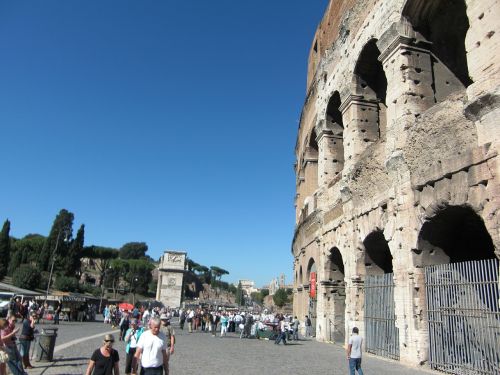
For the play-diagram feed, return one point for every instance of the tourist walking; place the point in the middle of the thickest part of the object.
(3, 352)
(104, 360)
(295, 326)
(354, 352)
(25, 339)
(308, 326)
(131, 338)
(8, 337)
(282, 333)
(152, 350)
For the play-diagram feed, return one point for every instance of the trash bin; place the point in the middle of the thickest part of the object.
(46, 344)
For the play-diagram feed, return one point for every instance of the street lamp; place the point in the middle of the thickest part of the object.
(65, 233)
(134, 283)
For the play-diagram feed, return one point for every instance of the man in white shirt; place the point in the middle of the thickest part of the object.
(152, 350)
(354, 352)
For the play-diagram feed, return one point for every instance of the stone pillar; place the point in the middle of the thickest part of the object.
(355, 309)
(361, 127)
(408, 69)
(331, 153)
(482, 44)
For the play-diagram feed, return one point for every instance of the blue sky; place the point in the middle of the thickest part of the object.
(168, 122)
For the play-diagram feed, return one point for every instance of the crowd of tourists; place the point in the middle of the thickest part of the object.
(148, 337)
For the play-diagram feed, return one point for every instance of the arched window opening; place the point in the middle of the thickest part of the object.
(313, 144)
(371, 83)
(333, 114)
(301, 276)
(455, 234)
(335, 265)
(311, 267)
(334, 152)
(378, 258)
(444, 23)
(371, 80)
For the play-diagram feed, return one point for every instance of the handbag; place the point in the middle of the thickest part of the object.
(4, 357)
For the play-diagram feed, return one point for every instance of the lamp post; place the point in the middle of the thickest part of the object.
(134, 283)
(61, 231)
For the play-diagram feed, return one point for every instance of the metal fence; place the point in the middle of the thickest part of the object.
(382, 335)
(464, 317)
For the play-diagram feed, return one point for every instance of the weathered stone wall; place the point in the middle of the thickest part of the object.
(420, 143)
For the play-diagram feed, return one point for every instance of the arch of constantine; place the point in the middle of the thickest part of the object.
(397, 181)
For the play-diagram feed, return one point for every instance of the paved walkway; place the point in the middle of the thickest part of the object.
(200, 353)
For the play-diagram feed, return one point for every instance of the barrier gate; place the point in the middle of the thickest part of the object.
(382, 335)
(464, 317)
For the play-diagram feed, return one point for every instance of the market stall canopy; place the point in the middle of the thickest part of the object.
(64, 297)
(14, 289)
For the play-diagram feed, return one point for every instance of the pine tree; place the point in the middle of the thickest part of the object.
(59, 236)
(75, 253)
(4, 248)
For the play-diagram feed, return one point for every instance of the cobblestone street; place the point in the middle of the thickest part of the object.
(200, 353)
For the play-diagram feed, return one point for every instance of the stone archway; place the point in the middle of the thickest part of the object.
(382, 335)
(312, 277)
(335, 296)
(461, 291)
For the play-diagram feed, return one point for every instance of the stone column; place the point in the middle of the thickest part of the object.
(408, 69)
(481, 43)
(361, 127)
(331, 155)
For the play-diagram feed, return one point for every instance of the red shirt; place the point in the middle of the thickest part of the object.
(6, 331)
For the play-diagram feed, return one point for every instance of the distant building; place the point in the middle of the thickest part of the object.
(248, 286)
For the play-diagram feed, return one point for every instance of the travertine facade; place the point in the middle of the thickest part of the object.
(170, 278)
(396, 157)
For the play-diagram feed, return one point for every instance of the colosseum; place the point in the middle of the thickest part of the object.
(397, 182)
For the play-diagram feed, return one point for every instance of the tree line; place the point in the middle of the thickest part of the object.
(32, 259)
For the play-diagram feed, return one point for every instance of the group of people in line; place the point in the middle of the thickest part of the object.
(149, 345)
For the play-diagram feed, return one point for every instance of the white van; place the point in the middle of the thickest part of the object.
(5, 298)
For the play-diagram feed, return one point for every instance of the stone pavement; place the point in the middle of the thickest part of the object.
(200, 353)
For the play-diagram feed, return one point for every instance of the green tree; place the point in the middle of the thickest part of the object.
(280, 298)
(101, 257)
(25, 251)
(26, 277)
(5, 248)
(66, 284)
(139, 275)
(264, 292)
(133, 250)
(257, 297)
(60, 235)
(75, 253)
(239, 295)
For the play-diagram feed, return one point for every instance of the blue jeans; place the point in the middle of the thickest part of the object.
(14, 362)
(355, 364)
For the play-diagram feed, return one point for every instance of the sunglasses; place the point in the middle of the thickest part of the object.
(111, 341)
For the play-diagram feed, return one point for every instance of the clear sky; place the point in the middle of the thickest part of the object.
(168, 122)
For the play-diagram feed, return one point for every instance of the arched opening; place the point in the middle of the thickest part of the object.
(313, 144)
(445, 24)
(336, 125)
(454, 234)
(378, 258)
(371, 83)
(461, 279)
(335, 297)
(382, 334)
(312, 277)
(301, 278)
